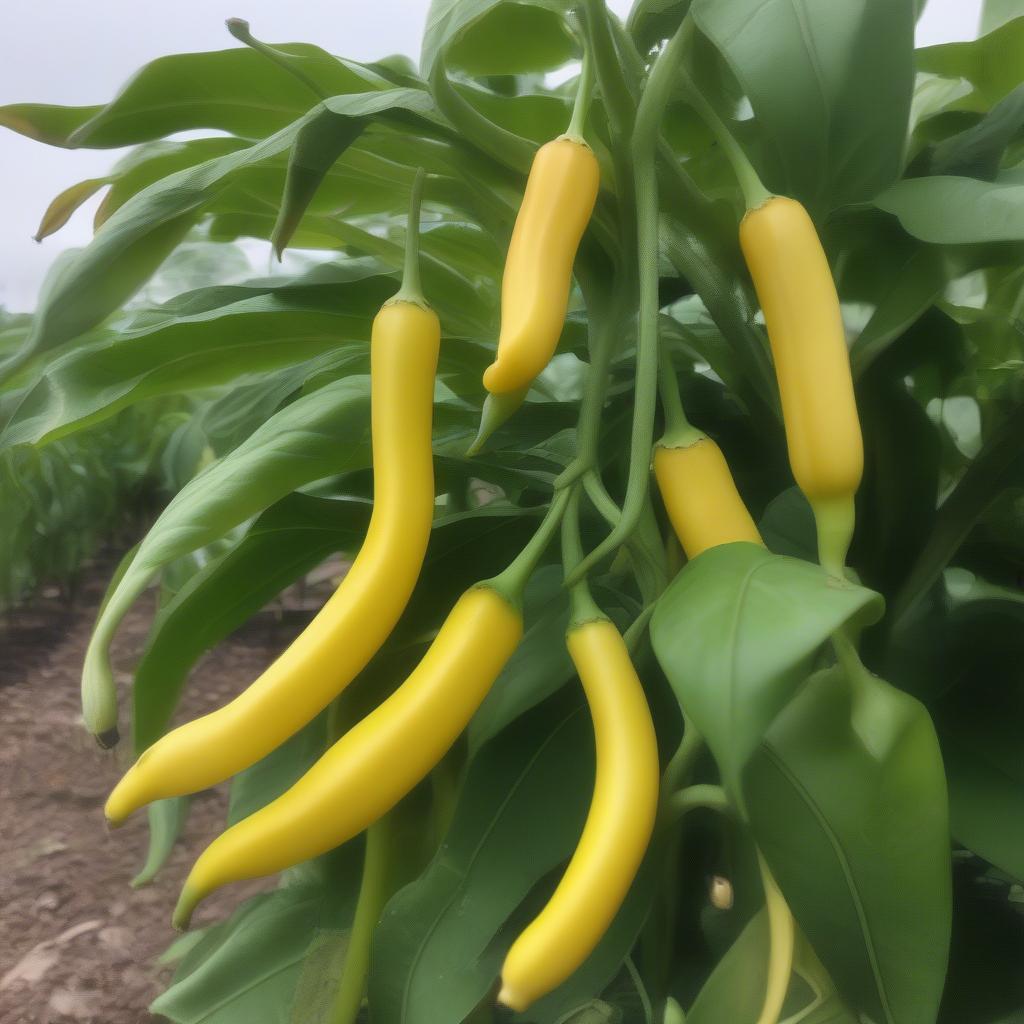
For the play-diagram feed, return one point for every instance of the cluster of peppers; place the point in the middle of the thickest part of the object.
(386, 754)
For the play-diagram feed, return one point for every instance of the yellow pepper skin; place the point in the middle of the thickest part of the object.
(700, 496)
(560, 195)
(805, 327)
(378, 761)
(359, 616)
(618, 827)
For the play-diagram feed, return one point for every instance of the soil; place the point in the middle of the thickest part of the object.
(77, 943)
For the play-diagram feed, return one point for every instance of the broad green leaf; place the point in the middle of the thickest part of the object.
(451, 922)
(953, 211)
(166, 820)
(491, 37)
(996, 13)
(847, 800)
(319, 435)
(736, 633)
(284, 543)
(991, 64)
(787, 526)
(179, 352)
(238, 91)
(834, 125)
(44, 122)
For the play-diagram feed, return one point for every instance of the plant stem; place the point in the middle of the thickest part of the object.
(239, 28)
(754, 192)
(645, 139)
(511, 582)
(693, 797)
(583, 606)
(373, 894)
(678, 429)
(618, 100)
(678, 770)
(584, 94)
(411, 289)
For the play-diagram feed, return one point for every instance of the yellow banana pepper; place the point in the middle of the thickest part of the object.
(560, 195)
(700, 496)
(805, 328)
(617, 830)
(378, 761)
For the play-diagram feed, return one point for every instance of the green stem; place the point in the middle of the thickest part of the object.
(635, 632)
(508, 149)
(645, 138)
(678, 429)
(583, 606)
(584, 94)
(373, 894)
(239, 28)
(679, 768)
(754, 192)
(411, 289)
(618, 100)
(511, 582)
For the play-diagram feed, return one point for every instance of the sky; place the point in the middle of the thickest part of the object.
(69, 52)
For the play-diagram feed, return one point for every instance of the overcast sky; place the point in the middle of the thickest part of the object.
(69, 52)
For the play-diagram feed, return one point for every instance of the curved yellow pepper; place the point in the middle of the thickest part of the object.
(700, 496)
(360, 615)
(378, 761)
(805, 327)
(618, 827)
(560, 195)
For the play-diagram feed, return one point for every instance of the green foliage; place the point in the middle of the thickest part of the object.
(247, 399)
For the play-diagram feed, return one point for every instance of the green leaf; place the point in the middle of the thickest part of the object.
(952, 211)
(996, 13)
(253, 966)
(137, 238)
(166, 820)
(991, 64)
(45, 123)
(847, 800)
(834, 125)
(449, 923)
(896, 501)
(736, 633)
(63, 206)
(316, 436)
(284, 543)
(787, 526)
(978, 151)
(997, 463)
(178, 351)
(237, 91)
(491, 37)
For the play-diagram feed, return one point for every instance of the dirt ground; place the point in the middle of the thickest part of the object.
(76, 942)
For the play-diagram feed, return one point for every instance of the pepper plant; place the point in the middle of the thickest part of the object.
(850, 747)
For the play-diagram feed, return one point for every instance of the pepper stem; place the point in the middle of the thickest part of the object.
(754, 192)
(584, 93)
(511, 582)
(412, 287)
(679, 432)
(583, 606)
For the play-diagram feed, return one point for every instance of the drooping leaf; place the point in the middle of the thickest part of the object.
(847, 800)
(736, 633)
(992, 63)
(953, 211)
(978, 151)
(63, 206)
(166, 820)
